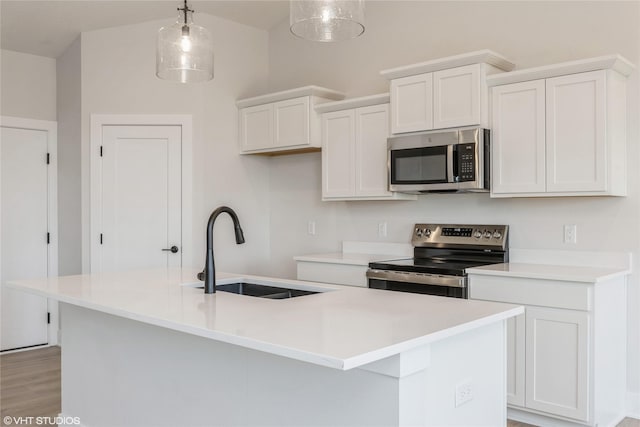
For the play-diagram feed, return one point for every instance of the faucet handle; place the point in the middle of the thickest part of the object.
(200, 275)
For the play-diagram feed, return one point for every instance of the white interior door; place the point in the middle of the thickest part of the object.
(23, 251)
(141, 198)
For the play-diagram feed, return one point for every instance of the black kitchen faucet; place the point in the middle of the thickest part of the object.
(209, 272)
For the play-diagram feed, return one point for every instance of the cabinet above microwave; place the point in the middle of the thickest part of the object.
(443, 93)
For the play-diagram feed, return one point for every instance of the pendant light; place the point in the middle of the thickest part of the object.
(326, 20)
(184, 52)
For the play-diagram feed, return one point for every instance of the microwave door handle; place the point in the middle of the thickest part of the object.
(450, 163)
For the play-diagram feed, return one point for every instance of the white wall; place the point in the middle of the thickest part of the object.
(69, 112)
(118, 77)
(28, 86)
(400, 33)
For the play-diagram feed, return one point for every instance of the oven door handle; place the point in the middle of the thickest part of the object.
(417, 278)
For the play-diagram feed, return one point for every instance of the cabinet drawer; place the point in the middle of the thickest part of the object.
(547, 293)
(339, 274)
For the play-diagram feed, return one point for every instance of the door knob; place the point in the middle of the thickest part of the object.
(172, 249)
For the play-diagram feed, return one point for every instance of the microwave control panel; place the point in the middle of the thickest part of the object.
(466, 162)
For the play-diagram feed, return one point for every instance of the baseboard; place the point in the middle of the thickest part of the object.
(633, 405)
(537, 420)
(20, 350)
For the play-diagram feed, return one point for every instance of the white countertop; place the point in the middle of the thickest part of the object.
(341, 328)
(550, 272)
(348, 258)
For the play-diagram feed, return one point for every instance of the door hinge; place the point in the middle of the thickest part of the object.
(48, 158)
(48, 238)
(101, 151)
(48, 318)
(100, 238)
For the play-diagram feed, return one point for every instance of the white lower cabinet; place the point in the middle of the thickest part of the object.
(557, 351)
(566, 354)
(515, 360)
(327, 272)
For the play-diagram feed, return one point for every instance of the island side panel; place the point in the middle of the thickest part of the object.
(122, 372)
(477, 357)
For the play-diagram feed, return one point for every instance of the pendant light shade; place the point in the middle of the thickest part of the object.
(185, 52)
(327, 20)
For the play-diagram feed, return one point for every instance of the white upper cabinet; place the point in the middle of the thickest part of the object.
(519, 118)
(457, 93)
(282, 122)
(256, 127)
(372, 130)
(576, 137)
(443, 93)
(354, 150)
(412, 106)
(291, 121)
(338, 154)
(563, 134)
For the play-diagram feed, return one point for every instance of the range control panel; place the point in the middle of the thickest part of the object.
(443, 235)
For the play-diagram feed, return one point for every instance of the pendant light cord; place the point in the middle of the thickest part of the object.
(185, 9)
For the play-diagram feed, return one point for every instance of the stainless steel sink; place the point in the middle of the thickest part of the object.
(261, 291)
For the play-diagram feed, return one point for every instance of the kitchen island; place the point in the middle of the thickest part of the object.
(143, 349)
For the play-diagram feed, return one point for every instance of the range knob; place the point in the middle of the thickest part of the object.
(487, 234)
(418, 232)
(477, 234)
(427, 232)
(497, 234)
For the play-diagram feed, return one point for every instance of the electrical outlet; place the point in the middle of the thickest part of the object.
(311, 228)
(570, 233)
(382, 229)
(464, 392)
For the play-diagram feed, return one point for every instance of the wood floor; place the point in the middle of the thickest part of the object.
(30, 387)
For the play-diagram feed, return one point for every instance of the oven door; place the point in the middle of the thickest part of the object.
(418, 283)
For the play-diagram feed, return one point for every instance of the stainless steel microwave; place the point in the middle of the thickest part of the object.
(452, 160)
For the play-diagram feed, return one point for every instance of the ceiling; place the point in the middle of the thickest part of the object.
(48, 27)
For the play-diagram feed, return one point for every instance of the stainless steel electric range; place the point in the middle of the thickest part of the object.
(441, 254)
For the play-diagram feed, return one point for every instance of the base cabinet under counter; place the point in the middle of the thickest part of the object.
(566, 355)
(337, 274)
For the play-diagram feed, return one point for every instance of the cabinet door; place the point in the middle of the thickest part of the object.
(372, 131)
(576, 151)
(516, 360)
(456, 97)
(557, 373)
(518, 138)
(412, 103)
(338, 153)
(256, 127)
(291, 122)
